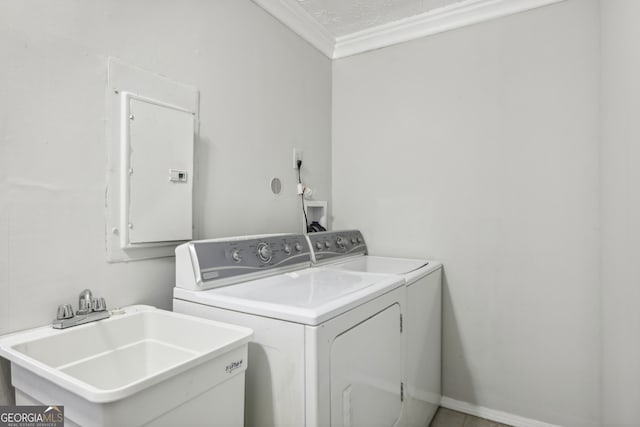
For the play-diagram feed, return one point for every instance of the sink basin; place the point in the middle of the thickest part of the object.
(123, 358)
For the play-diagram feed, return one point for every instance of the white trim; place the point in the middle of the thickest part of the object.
(447, 18)
(294, 16)
(491, 414)
(457, 15)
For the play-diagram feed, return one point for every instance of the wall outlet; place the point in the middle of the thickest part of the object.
(297, 155)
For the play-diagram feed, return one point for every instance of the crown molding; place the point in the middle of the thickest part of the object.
(457, 15)
(432, 22)
(292, 15)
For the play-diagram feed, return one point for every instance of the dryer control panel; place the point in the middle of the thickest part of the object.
(334, 245)
(205, 264)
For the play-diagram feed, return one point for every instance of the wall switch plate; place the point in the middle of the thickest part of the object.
(297, 155)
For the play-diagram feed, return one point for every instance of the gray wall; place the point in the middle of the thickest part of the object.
(479, 147)
(621, 212)
(263, 91)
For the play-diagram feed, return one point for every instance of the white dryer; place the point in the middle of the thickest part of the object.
(328, 344)
(347, 251)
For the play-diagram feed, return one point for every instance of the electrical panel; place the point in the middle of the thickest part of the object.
(157, 172)
(152, 126)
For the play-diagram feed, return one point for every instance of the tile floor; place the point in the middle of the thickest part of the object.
(448, 418)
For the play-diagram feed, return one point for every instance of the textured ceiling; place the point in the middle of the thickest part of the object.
(343, 17)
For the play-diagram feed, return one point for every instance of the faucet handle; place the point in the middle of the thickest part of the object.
(99, 304)
(65, 311)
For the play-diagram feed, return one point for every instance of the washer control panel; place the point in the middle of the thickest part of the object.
(222, 262)
(333, 245)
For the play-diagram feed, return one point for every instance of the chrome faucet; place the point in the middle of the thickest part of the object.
(89, 310)
(84, 302)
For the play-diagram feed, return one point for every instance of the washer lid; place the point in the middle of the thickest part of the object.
(310, 296)
(381, 265)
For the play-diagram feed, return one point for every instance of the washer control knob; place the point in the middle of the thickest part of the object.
(327, 244)
(353, 240)
(298, 247)
(359, 240)
(341, 242)
(264, 252)
(235, 255)
(287, 248)
(319, 245)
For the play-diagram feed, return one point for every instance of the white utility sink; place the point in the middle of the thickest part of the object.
(142, 367)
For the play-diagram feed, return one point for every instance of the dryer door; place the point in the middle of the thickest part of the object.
(366, 372)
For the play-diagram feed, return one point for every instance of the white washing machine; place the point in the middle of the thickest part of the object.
(347, 251)
(328, 347)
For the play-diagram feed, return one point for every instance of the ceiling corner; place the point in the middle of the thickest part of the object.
(456, 14)
(299, 21)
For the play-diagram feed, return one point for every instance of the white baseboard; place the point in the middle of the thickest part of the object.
(491, 414)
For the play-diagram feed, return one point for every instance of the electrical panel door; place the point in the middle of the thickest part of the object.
(160, 173)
